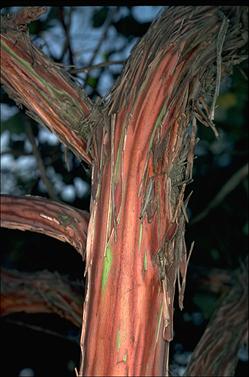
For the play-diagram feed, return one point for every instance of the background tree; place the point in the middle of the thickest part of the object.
(236, 178)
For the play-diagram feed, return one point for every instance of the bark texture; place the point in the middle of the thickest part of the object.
(135, 247)
(47, 292)
(141, 149)
(34, 292)
(32, 80)
(40, 292)
(217, 352)
(45, 216)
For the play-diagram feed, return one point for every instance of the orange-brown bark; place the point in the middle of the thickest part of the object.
(32, 292)
(45, 216)
(135, 247)
(143, 156)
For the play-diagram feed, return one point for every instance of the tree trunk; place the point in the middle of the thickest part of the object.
(142, 140)
(135, 246)
(47, 292)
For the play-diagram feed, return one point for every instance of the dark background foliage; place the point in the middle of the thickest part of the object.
(221, 236)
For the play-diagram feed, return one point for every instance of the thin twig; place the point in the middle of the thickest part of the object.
(41, 329)
(66, 27)
(243, 73)
(16, 153)
(67, 46)
(39, 161)
(101, 40)
(229, 186)
(95, 66)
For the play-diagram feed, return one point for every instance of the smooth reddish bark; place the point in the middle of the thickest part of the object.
(32, 292)
(135, 247)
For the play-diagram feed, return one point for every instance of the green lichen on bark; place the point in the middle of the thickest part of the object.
(106, 267)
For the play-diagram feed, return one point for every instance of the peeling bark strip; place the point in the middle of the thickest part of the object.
(34, 81)
(40, 292)
(44, 216)
(135, 246)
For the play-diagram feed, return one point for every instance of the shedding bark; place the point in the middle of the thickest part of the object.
(144, 163)
(141, 146)
(33, 292)
(45, 216)
(33, 80)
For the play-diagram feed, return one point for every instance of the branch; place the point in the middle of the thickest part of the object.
(40, 292)
(41, 167)
(101, 40)
(31, 292)
(94, 66)
(216, 353)
(66, 27)
(44, 216)
(33, 80)
(42, 330)
(228, 187)
(138, 202)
